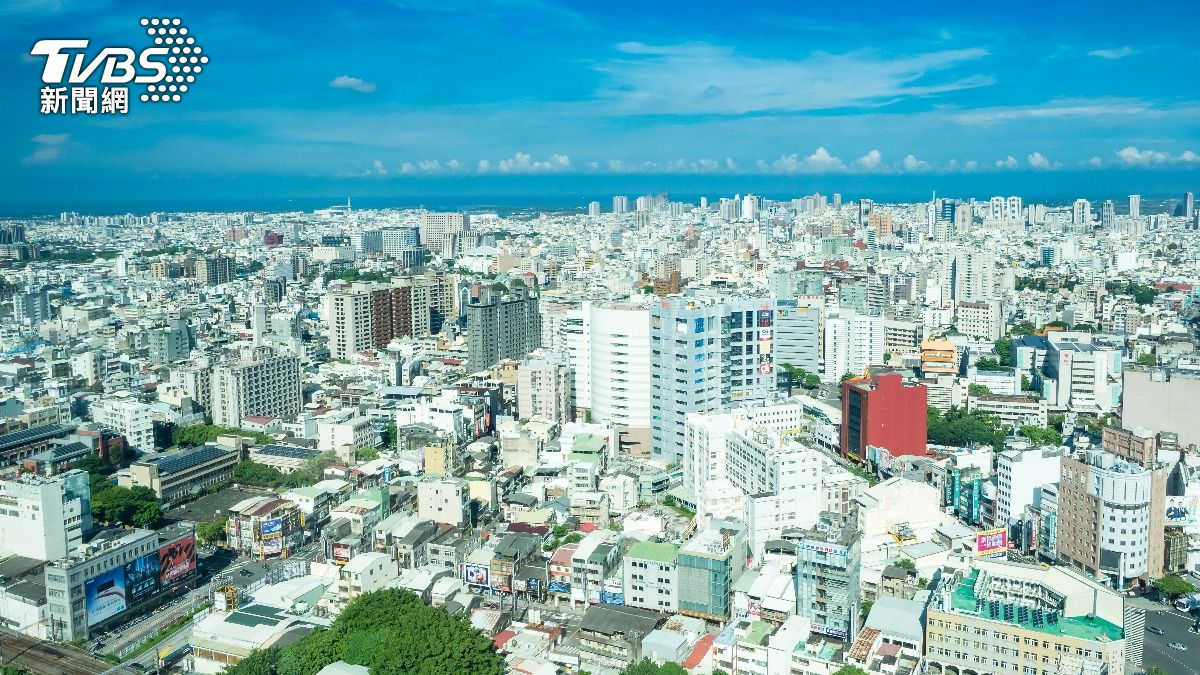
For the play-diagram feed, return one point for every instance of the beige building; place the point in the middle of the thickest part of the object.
(182, 474)
(1018, 410)
(348, 321)
(263, 384)
(993, 616)
(1162, 399)
(544, 388)
(445, 501)
(1136, 445)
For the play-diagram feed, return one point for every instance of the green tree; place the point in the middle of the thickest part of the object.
(209, 531)
(988, 364)
(887, 357)
(907, 564)
(248, 472)
(366, 454)
(1173, 586)
(864, 608)
(1041, 435)
(849, 670)
(1156, 670)
(848, 376)
(1026, 383)
(1147, 359)
(1003, 348)
(978, 390)
(648, 667)
(811, 382)
(790, 375)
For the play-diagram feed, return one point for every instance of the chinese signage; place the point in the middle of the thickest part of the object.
(991, 543)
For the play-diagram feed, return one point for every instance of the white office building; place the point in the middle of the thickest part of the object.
(44, 518)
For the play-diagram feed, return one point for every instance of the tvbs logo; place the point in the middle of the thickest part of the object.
(167, 70)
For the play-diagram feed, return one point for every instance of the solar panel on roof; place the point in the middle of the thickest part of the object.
(186, 460)
(287, 451)
(19, 438)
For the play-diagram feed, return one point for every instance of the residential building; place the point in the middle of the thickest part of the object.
(347, 318)
(797, 337)
(445, 501)
(435, 226)
(545, 388)
(264, 384)
(882, 411)
(44, 518)
(708, 566)
(651, 577)
(129, 417)
(1162, 399)
(1020, 474)
(214, 270)
(1079, 375)
(501, 325)
(265, 527)
(827, 575)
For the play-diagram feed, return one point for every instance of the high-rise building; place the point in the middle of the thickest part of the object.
(1135, 206)
(435, 226)
(214, 270)
(864, 211)
(32, 306)
(1108, 523)
(1081, 213)
(882, 411)
(1189, 204)
(544, 388)
(750, 356)
(170, 343)
(688, 369)
(1162, 400)
(129, 417)
(348, 320)
(263, 384)
(414, 306)
(853, 342)
(1020, 474)
(615, 349)
(827, 576)
(396, 240)
(594, 209)
(798, 333)
(1078, 374)
(501, 325)
(45, 518)
(974, 275)
(620, 204)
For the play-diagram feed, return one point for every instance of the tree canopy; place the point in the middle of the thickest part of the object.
(199, 434)
(648, 667)
(390, 632)
(1174, 586)
(849, 670)
(114, 504)
(1041, 435)
(959, 428)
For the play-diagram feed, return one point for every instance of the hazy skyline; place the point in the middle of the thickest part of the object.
(405, 99)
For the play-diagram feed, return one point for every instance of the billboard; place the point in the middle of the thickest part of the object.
(502, 582)
(534, 586)
(272, 528)
(559, 586)
(272, 546)
(141, 578)
(105, 595)
(1183, 511)
(991, 543)
(341, 553)
(476, 575)
(176, 560)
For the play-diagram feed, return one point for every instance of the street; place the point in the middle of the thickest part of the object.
(1176, 627)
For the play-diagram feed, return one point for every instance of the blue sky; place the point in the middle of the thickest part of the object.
(406, 99)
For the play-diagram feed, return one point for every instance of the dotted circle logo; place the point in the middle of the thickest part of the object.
(185, 59)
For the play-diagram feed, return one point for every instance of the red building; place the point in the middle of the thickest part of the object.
(882, 411)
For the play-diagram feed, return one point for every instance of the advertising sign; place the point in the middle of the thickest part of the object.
(476, 575)
(176, 560)
(502, 582)
(141, 578)
(991, 543)
(559, 586)
(272, 546)
(534, 586)
(105, 595)
(341, 553)
(754, 608)
(272, 528)
(1183, 511)
(611, 598)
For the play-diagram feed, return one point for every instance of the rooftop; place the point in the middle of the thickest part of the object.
(660, 553)
(965, 601)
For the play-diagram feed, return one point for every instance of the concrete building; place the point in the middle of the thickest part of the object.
(545, 388)
(182, 474)
(797, 338)
(501, 326)
(44, 518)
(826, 575)
(116, 577)
(980, 319)
(347, 319)
(973, 275)
(1020, 474)
(688, 372)
(265, 527)
(170, 343)
(1078, 375)
(1162, 399)
(882, 411)
(991, 616)
(435, 226)
(214, 270)
(1107, 524)
(1012, 410)
(651, 577)
(32, 306)
(445, 501)
(616, 352)
(708, 566)
(265, 384)
(129, 417)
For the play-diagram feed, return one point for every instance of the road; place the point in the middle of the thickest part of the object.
(1176, 627)
(47, 658)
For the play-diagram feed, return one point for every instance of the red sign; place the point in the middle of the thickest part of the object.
(176, 560)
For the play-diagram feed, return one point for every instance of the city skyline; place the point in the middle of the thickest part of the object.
(865, 100)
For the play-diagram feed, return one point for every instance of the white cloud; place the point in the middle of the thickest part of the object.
(430, 166)
(1113, 54)
(454, 165)
(352, 83)
(1009, 162)
(820, 161)
(524, 163)
(698, 78)
(970, 165)
(48, 148)
(1131, 156)
(870, 160)
(1039, 161)
(408, 168)
(1057, 109)
(911, 163)
(378, 168)
(1095, 161)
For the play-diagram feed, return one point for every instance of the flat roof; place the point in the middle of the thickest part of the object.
(660, 553)
(964, 601)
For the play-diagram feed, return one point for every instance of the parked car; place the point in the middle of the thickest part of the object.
(1156, 630)
(1178, 645)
